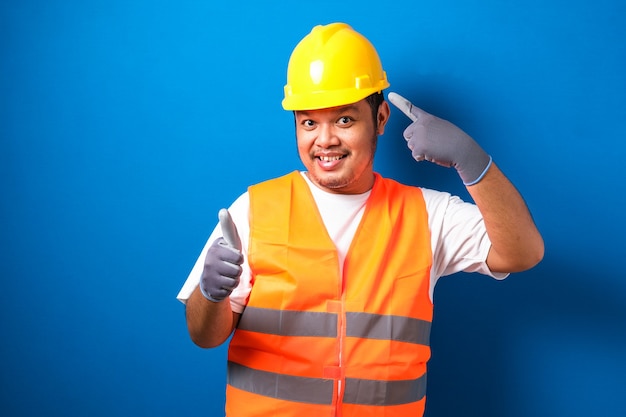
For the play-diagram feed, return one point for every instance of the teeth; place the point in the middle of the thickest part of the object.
(330, 158)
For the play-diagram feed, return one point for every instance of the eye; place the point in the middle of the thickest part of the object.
(344, 120)
(308, 124)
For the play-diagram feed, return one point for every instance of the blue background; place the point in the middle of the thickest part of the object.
(126, 125)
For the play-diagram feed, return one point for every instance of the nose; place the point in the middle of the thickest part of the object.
(327, 136)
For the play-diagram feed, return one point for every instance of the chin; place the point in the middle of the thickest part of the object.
(332, 182)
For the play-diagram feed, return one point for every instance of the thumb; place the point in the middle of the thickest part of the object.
(405, 106)
(229, 230)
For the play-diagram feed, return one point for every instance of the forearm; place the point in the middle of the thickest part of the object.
(209, 323)
(517, 245)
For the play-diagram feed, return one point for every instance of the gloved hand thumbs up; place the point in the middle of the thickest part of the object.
(222, 264)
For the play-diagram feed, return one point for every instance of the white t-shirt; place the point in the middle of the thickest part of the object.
(459, 239)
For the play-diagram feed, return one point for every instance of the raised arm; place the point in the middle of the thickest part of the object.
(516, 243)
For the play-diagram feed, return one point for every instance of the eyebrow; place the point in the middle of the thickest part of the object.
(338, 110)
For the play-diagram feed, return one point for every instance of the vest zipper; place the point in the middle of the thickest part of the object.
(342, 332)
(340, 381)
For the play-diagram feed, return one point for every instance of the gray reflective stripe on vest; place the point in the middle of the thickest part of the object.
(371, 392)
(320, 390)
(288, 322)
(284, 387)
(398, 328)
(363, 325)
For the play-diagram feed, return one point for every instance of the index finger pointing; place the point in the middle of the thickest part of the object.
(403, 104)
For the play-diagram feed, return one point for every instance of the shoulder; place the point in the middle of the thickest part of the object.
(448, 210)
(393, 187)
(283, 180)
(437, 197)
(437, 203)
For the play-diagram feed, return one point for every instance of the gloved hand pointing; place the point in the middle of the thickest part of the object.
(436, 140)
(222, 264)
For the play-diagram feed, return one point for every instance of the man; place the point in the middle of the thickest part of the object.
(326, 276)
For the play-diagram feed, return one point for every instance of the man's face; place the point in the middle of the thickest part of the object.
(337, 145)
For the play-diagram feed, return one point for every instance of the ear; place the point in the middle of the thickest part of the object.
(382, 117)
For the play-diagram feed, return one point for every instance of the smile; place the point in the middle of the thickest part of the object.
(330, 158)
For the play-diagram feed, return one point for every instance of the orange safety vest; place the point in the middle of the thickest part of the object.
(313, 343)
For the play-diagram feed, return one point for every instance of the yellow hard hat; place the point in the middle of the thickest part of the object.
(332, 66)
